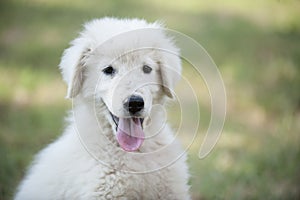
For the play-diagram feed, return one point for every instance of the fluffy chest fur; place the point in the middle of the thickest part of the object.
(85, 164)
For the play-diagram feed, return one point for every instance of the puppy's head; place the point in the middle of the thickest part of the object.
(130, 65)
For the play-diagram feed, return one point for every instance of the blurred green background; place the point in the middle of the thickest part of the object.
(255, 44)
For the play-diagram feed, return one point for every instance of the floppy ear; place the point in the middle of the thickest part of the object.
(170, 69)
(72, 66)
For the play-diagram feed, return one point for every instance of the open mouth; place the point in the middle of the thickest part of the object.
(130, 134)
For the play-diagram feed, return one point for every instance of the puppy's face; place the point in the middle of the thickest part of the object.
(129, 74)
(129, 84)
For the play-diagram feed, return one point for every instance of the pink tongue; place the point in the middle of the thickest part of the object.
(130, 134)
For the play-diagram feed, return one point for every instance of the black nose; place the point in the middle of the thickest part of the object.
(134, 104)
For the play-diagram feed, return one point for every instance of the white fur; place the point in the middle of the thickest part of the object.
(86, 161)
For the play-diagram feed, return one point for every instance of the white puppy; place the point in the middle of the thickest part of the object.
(117, 144)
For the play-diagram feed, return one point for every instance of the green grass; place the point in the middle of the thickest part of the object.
(24, 131)
(255, 45)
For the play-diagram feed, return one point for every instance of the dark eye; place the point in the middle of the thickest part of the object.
(147, 69)
(109, 70)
